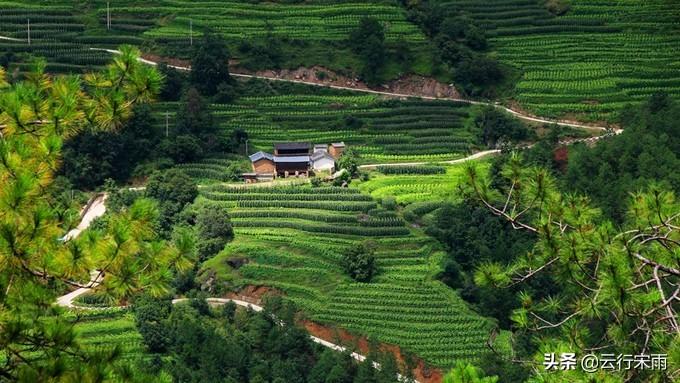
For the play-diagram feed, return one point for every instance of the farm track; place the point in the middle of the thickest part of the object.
(515, 113)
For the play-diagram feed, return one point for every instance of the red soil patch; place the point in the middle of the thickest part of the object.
(253, 294)
(422, 372)
(409, 84)
(166, 60)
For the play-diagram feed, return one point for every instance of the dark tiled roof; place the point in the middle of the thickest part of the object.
(292, 146)
(319, 155)
(261, 155)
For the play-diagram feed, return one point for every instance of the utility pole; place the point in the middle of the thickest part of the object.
(28, 29)
(191, 32)
(108, 16)
(246, 147)
(167, 124)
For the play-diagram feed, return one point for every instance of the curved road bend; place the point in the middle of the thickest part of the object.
(94, 209)
(391, 94)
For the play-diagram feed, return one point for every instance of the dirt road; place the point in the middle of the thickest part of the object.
(517, 114)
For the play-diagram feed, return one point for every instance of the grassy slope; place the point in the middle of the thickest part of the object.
(590, 62)
(294, 238)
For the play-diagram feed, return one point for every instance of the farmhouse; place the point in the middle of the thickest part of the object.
(294, 159)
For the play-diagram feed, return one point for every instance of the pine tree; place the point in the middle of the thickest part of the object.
(36, 116)
(617, 287)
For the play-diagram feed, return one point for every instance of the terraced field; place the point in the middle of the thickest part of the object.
(411, 188)
(314, 20)
(379, 130)
(56, 34)
(110, 327)
(293, 238)
(592, 61)
(63, 33)
(63, 30)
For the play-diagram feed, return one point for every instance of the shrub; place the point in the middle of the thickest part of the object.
(359, 262)
(558, 7)
(389, 203)
(214, 230)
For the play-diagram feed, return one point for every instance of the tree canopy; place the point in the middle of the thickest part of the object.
(210, 64)
(616, 287)
(368, 41)
(359, 262)
(36, 116)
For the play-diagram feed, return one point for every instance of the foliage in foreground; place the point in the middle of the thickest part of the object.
(616, 286)
(36, 116)
(467, 373)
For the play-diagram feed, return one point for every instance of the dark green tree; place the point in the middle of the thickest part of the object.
(478, 74)
(210, 64)
(494, 125)
(368, 41)
(173, 189)
(647, 150)
(173, 85)
(93, 156)
(214, 230)
(149, 316)
(359, 262)
(349, 162)
(463, 30)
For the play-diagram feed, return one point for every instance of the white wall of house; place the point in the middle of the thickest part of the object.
(324, 164)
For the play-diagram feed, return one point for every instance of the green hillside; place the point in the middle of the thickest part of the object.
(293, 238)
(313, 33)
(379, 130)
(589, 62)
(592, 61)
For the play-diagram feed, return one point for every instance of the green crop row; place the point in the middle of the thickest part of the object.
(219, 196)
(413, 169)
(324, 228)
(377, 130)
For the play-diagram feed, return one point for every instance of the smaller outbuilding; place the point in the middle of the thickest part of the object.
(323, 162)
(337, 149)
(263, 163)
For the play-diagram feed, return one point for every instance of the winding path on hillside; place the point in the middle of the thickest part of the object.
(517, 114)
(95, 207)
